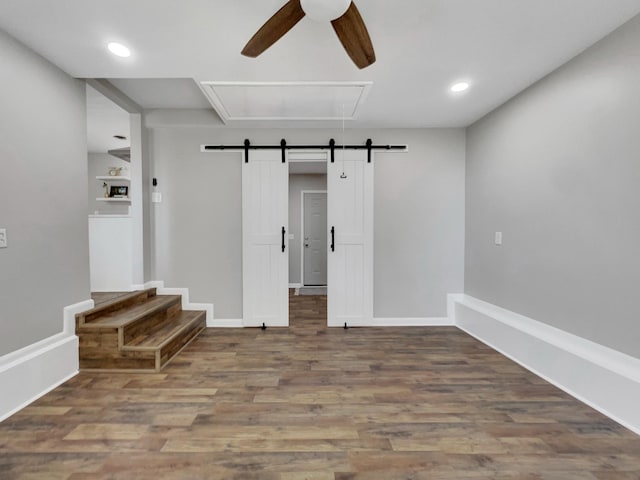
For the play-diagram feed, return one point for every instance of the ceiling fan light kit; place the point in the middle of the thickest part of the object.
(459, 87)
(324, 10)
(348, 25)
(119, 49)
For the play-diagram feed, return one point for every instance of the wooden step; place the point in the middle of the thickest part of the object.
(124, 316)
(119, 303)
(141, 316)
(168, 340)
(141, 331)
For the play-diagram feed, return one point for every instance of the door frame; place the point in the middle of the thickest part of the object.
(302, 192)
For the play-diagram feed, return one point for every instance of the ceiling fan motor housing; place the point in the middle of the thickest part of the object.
(325, 10)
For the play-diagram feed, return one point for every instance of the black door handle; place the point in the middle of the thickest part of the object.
(283, 232)
(333, 239)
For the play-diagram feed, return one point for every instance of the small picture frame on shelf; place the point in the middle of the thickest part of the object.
(118, 191)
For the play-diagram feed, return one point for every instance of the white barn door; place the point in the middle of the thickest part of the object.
(350, 252)
(265, 254)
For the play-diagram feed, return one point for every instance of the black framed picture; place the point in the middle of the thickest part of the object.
(118, 191)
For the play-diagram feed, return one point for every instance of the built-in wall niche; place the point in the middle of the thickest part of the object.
(109, 185)
(116, 188)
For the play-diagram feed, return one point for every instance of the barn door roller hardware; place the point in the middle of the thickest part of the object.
(331, 146)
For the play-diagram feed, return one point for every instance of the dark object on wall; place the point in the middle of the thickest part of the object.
(117, 191)
(121, 153)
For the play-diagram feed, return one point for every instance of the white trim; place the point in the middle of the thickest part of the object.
(145, 286)
(411, 322)
(183, 292)
(69, 315)
(295, 285)
(310, 155)
(31, 372)
(208, 308)
(227, 323)
(208, 88)
(603, 378)
(186, 304)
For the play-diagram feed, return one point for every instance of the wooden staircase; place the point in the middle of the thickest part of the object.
(139, 331)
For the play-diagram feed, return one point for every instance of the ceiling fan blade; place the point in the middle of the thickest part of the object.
(354, 36)
(274, 29)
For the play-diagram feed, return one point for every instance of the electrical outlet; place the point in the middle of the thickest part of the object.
(3, 238)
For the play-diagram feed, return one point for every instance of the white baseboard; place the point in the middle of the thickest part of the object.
(603, 378)
(207, 307)
(145, 286)
(29, 373)
(411, 322)
(69, 315)
(295, 285)
(186, 303)
(227, 323)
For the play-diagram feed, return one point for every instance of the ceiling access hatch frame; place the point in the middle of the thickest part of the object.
(281, 101)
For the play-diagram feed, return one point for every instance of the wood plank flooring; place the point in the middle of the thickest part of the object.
(314, 403)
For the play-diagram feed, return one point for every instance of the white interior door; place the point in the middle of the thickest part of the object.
(350, 239)
(314, 241)
(265, 255)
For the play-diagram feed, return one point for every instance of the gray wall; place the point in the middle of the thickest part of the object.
(298, 183)
(557, 170)
(419, 215)
(43, 196)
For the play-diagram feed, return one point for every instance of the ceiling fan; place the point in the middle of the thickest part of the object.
(344, 17)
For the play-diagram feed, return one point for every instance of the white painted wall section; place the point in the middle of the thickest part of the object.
(111, 251)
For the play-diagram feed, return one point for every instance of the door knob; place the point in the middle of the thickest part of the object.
(306, 245)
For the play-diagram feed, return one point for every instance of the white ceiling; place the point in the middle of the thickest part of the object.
(422, 47)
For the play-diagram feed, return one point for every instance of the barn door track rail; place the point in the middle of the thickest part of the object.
(331, 146)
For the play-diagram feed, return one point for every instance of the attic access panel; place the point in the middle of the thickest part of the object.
(238, 101)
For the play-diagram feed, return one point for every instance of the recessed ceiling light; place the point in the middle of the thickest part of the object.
(119, 49)
(459, 87)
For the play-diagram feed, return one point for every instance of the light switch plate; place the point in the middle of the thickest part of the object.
(3, 238)
(156, 197)
(498, 238)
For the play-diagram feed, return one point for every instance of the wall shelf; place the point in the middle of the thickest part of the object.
(112, 199)
(113, 178)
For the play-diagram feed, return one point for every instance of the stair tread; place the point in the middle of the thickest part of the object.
(160, 336)
(120, 318)
(120, 299)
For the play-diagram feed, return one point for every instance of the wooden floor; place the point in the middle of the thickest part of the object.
(318, 404)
